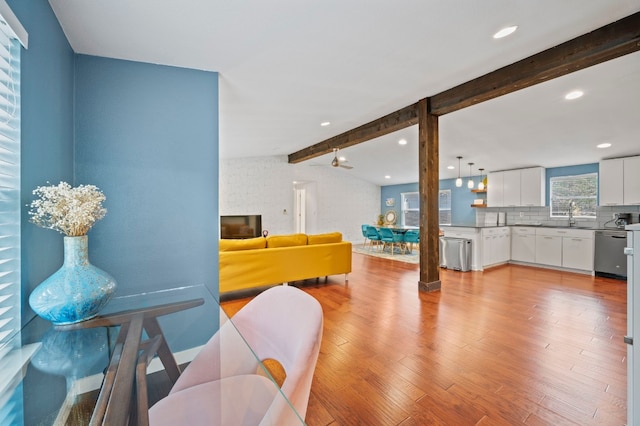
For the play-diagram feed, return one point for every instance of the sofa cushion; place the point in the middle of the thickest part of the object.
(291, 240)
(244, 244)
(330, 237)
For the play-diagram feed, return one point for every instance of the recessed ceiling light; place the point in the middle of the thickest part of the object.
(603, 145)
(505, 31)
(325, 123)
(387, 177)
(450, 167)
(574, 95)
(402, 142)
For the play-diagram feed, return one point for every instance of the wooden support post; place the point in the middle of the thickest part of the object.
(429, 185)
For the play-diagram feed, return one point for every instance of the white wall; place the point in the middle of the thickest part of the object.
(264, 185)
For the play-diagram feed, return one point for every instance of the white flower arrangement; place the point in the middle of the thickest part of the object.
(70, 211)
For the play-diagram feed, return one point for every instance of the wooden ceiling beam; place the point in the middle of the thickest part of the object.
(609, 42)
(405, 117)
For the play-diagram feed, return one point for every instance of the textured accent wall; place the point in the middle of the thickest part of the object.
(265, 185)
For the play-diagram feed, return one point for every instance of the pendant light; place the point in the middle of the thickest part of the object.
(470, 183)
(481, 183)
(459, 180)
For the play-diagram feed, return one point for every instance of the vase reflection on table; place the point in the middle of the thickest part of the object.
(73, 354)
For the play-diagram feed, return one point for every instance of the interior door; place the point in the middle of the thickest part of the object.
(300, 210)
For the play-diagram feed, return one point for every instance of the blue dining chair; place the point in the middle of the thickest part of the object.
(410, 237)
(373, 236)
(364, 234)
(389, 237)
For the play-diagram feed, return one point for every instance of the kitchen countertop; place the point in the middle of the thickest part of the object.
(532, 225)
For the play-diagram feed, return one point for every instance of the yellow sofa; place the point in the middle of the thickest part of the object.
(256, 262)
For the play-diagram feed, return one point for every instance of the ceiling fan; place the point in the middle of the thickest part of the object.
(336, 162)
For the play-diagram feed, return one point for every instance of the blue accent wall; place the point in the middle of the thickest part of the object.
(461, 199)
(393, 192)
(46, 132)
(147, 135)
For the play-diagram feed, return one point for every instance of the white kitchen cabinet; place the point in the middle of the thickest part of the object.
(549, 250)
(511, 188)
(548, 247)
(523, 244)
(495, 183)
(577, 252)
(610, 176)
(496, 246)
(619, 181)
(532, 186)
(567, 248)
(488, 254)
(631, 180)
(515, 188)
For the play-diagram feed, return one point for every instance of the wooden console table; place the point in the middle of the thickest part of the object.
(129, 360)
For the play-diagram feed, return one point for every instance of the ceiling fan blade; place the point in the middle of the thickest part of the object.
(346, 167)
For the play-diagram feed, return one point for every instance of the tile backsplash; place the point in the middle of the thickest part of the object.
(540, 216)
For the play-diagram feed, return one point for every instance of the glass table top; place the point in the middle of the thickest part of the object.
(47, 371)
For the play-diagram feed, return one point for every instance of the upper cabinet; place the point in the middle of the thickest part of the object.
(532, 186)
(515, 188)
(620, 181)
(495, 183)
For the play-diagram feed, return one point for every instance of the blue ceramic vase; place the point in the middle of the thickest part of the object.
(75, 292)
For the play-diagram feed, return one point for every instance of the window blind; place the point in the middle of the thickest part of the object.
(11, 361)
(9, 188)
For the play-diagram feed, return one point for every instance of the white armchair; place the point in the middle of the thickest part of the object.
(223, 384)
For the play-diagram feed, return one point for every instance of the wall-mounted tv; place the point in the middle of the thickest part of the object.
(241, 226)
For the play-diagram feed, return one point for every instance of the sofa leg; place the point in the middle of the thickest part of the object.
(346, 278)
(326, 278)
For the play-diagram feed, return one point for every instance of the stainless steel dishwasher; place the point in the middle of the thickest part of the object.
(610, 260)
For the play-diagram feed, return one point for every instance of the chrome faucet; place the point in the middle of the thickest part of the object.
(572, 205)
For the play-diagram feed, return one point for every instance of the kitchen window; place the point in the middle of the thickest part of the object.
(581, 189)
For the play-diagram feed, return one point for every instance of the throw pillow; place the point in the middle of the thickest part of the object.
(331, 237)
(275, 241)
(244, 244)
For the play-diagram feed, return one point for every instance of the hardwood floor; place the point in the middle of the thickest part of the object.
(511, 345)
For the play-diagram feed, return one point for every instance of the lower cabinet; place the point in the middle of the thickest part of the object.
(555, 247)
(496, 246)
(567, 248)
(577, 253)
(523, 244)
(549, 250)
(558, 247)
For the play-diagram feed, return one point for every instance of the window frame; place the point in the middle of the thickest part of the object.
(405, 206)
(574, 197)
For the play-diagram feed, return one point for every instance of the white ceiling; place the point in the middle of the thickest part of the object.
(287, 65)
